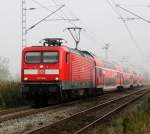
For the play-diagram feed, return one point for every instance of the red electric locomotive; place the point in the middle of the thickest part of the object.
(54, 71)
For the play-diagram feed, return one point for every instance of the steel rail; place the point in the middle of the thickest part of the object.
(82, 130)
(16, 113)
(23, 112)
(45, 128)
(13, 110)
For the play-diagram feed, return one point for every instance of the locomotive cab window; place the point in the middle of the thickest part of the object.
(33, 57)
(41, 57)
(50, 57)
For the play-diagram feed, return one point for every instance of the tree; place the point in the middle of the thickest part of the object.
(4, 69)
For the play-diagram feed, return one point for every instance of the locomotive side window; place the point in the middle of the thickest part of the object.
(67, 58)
(50, 57)
(33, 57)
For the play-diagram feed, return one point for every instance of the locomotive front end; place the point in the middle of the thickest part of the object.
(41, 72)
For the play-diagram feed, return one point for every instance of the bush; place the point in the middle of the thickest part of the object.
(10, 94)
(136, 122)
(4, 69)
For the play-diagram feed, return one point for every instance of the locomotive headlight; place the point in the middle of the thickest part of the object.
(41, 66)
(25, 78)
(56, 78)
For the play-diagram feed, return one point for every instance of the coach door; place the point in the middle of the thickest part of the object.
(99, 78)
(119, 78)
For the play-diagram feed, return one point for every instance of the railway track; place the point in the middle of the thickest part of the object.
(13, 110)
(16, 113)
(80, 122)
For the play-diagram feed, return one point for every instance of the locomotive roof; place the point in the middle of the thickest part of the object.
(43, 48)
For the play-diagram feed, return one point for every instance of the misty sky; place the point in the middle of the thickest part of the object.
(101, 24)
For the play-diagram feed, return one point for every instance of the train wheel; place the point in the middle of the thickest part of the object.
(131, 87)
(69, 94)
(86, 93)
(92, 92)
(65, 96)
(58, 97)
(99, 91)
(81, 92)
(40, 102)
(119, 89)
(44, 101)
(36, 102)
(74, 94)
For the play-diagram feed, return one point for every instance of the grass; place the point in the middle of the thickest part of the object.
(10, 94)
(28, 126)
(136, 121)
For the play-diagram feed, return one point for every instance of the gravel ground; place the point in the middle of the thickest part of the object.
(18, 126)
(22, 124)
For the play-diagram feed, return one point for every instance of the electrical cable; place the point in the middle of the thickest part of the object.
(44, 18)
(46, 8)
(90, 33)
(133, 14)
(135, 5)
(54, 1)
(126, 26)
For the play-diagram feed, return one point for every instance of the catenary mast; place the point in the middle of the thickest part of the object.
(24, 23)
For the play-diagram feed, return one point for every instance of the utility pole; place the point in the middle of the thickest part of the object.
(106, 48)
(24, 23)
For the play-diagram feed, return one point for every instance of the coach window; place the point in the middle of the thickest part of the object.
(67, 58)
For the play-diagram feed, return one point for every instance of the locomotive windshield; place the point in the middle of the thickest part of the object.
(50, 57)
(41, 57)
(33, 57)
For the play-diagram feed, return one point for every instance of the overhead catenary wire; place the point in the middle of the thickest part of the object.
(54, 1)
(131, 5)
(91, 35)
(88, 32)
(132, 13)
(61, 17)
(44, 18)
(126, 26)
(45, 7)
(62, 20)
(129, 19)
